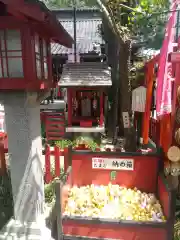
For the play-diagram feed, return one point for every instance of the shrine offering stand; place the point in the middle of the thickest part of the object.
(87, 85)
(132, 170)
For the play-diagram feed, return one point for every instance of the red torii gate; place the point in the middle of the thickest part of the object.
(149, 78)
(166, 124)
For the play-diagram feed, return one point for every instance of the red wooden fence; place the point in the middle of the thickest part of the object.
(53, 167)
(53, 171)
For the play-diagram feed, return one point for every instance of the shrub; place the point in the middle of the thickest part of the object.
(6, 199)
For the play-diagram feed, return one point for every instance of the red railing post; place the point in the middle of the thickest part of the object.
(57, 154)
(48, 176)
(66, 155)
(3, 168)
(154, 133)
(153, 129)
(158, 132)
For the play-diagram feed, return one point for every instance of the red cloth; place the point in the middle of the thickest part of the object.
(164, 78)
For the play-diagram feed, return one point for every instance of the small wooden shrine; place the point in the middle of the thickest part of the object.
(86, 85)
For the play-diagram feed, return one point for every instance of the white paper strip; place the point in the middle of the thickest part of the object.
(113, 164)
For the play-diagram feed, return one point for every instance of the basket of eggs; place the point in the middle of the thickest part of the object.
(134, 204)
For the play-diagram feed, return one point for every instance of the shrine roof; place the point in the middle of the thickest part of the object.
(88, 39)
(35, 10)
(85, 74)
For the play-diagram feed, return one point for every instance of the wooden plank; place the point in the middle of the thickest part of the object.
(58, 205)
(55, 116)
(56, 131)
(54, 134)
(55, 139)
(55, 122)
(49, 129)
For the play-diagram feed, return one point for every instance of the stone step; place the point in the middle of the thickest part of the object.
(14, 230)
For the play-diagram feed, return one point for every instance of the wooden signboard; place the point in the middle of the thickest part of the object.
(113, 164)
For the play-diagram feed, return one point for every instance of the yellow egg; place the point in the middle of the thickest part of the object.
(122, 203)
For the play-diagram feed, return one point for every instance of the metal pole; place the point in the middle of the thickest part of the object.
(75, 46)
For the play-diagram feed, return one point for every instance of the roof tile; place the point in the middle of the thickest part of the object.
(88, 37)
(86, 74)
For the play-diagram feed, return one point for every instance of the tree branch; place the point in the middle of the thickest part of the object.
(130, 9)
(109, 16)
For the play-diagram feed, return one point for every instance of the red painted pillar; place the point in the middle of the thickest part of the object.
(69, 95)
(66, 156)
(57, 154)
(101, 109)
(2, 159)
(147, 113)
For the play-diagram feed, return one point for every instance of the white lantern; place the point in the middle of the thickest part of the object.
(11, 62)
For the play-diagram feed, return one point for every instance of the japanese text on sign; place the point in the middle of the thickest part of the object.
(113, 164)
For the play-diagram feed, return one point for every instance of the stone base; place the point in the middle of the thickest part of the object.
(14, 230)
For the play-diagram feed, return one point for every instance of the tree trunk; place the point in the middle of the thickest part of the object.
(114, 103)
(125, 95)
(113, 61)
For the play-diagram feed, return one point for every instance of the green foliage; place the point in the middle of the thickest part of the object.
(63, 143)
(89, 143)
(6, 199)
(177, 209)
(144, 21)
(49, 192)
(49, 189)
(177, 230)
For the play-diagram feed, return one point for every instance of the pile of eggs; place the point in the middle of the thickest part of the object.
(113, 202)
